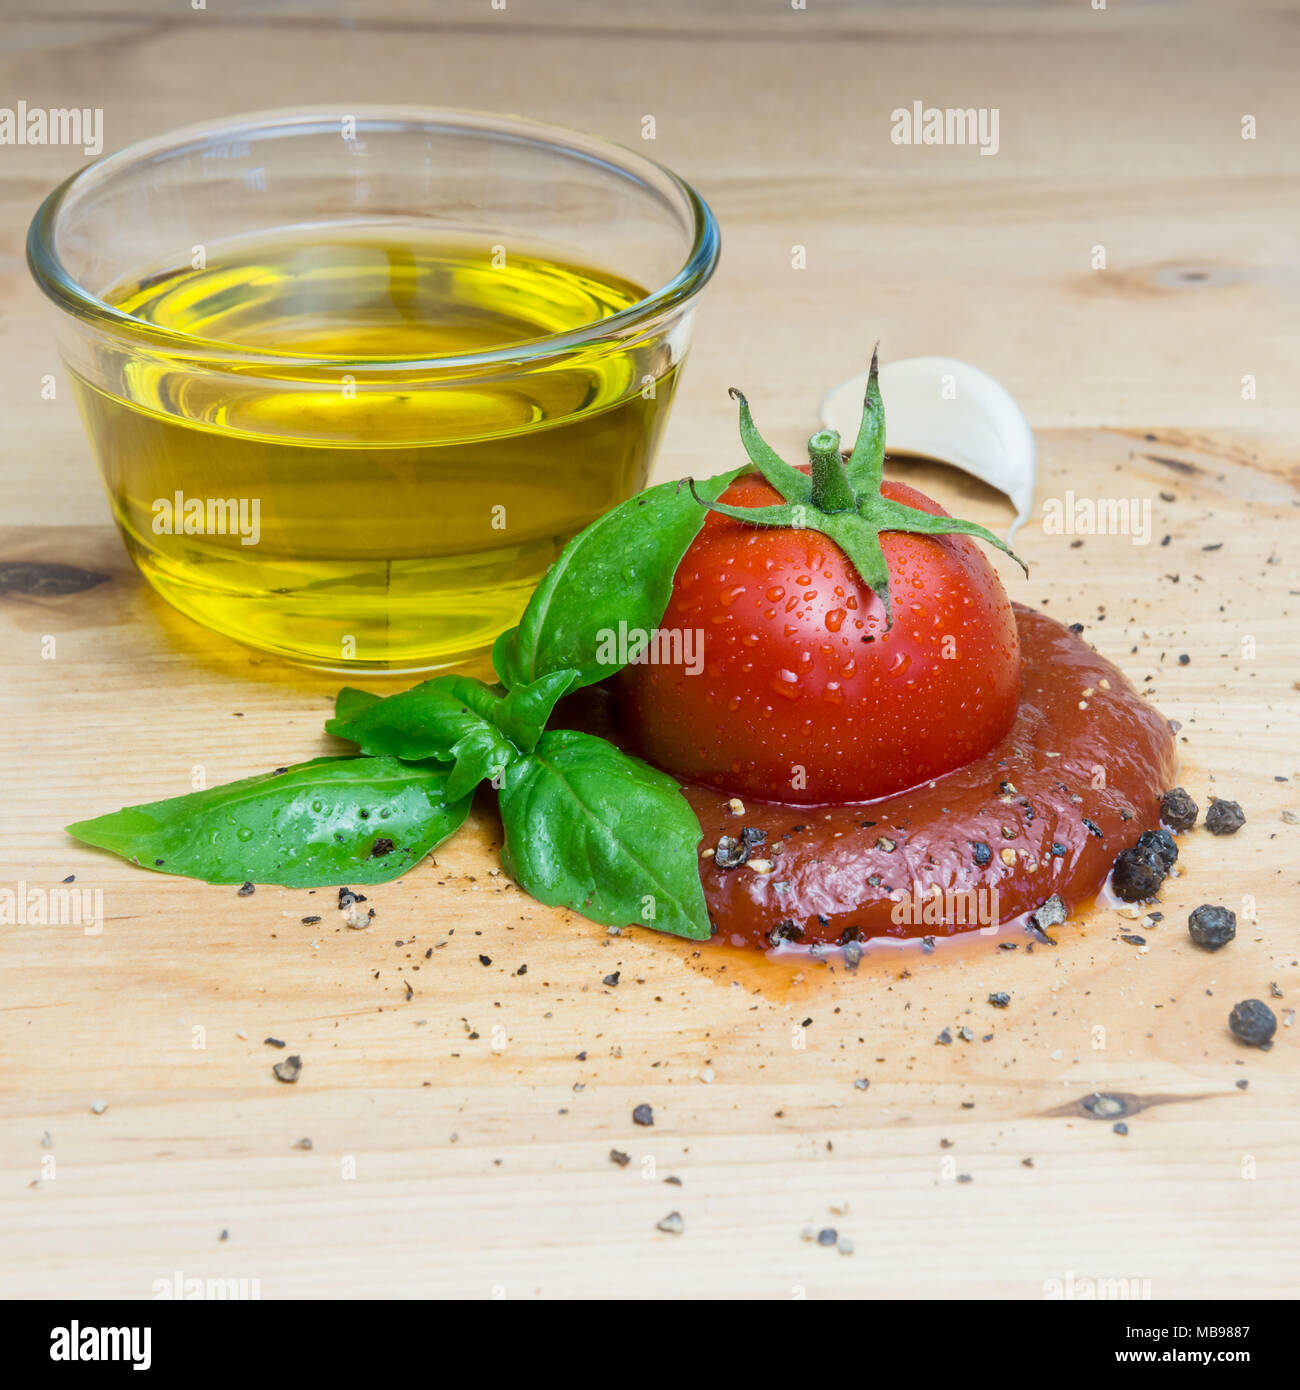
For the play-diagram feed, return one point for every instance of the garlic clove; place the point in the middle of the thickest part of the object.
(940, 408)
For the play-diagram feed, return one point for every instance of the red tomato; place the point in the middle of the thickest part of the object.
(803, 696)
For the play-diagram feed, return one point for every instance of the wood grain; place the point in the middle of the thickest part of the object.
(460, 1137)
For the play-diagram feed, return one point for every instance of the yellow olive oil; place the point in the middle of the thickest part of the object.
(355, 514)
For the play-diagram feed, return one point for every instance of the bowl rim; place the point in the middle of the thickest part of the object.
(59, 285)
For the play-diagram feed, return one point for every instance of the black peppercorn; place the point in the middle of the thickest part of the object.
(1137, 874)
(1253, 1022)
(1211, 926)
(981, 852)
(1161, 844)
(1178, 810)
(1224, 818)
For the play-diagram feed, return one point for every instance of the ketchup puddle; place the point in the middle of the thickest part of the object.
(1077, 778)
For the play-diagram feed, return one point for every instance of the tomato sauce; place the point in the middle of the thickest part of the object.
(1077, 778)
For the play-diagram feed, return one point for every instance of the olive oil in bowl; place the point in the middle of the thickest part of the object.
(340, 490)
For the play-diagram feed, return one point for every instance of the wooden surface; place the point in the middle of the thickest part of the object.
(460, 1136)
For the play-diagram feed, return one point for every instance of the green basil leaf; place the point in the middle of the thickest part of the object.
(588, 827)
(328, 821)
(452, 719)
(523, 713)
(426, 721)
(349, 703)
(620, 569)
(484, 753)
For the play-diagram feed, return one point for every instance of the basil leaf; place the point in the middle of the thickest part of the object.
(620, 569)
(328, 821)
(523, 713)
(588, 827)
(426, 721)
(349, 702)
(483, 753)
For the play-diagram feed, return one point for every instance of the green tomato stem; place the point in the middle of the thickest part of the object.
(830, 484)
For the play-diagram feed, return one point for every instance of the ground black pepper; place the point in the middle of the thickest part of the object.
(731, 852)
(1050, 913)
(291, 1068)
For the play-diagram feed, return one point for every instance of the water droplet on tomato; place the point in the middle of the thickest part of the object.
(786, 684)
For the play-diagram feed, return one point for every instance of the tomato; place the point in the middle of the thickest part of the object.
(802, 694)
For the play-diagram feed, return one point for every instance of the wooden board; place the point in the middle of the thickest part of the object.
(461, 1114)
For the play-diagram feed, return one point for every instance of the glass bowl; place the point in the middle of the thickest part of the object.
(353, 378)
